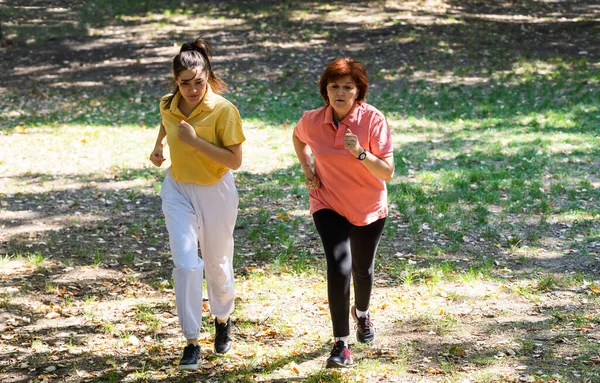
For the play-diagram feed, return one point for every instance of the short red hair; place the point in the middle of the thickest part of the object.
(342, 67)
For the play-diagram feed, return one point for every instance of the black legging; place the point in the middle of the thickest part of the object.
(349, 249)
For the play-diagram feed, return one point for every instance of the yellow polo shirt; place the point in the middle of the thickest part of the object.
(215, 120)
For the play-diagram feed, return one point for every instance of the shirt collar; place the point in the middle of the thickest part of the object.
(208, 103)
(350, 118)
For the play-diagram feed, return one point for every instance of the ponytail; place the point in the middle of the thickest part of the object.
(197, 54)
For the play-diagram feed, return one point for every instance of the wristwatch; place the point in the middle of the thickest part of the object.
(362, 156)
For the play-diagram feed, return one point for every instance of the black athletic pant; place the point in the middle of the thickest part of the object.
(350, 250)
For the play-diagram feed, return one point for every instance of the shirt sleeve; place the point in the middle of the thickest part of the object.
(381, 144)
(300, 129)
(229, 127)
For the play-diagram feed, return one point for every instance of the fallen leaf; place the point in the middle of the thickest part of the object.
(434, 371)
(208, 365)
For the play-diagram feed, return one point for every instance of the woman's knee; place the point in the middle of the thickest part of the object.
(189, 268)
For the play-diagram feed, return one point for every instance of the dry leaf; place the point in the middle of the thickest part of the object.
(434, 371)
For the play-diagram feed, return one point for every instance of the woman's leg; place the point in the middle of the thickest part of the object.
(218, 205)
(364, 241)
(334, 231)
(182, 225)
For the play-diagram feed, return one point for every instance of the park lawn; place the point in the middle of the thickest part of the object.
(487, 271)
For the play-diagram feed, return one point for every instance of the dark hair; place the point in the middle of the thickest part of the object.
(197, 54)
(342, 67)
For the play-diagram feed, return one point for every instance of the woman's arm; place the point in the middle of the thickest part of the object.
(302, 151)
(303, 154)
(382, 168)
(229, 156)
(156, 156)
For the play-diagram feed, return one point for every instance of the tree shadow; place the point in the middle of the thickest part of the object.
(259, 223)
(393, 47)
(122, 365)
(522, 348)
(273, 205)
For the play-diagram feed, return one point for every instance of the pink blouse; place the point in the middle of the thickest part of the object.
(347, 187)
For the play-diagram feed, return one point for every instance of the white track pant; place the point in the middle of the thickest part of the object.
(201, 214)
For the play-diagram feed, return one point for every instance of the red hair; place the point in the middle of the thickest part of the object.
(342, 67)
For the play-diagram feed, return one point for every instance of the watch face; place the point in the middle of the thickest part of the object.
(362, 156)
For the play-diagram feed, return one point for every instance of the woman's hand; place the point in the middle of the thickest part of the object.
(312, 181)
(303, 153)
(351, 143)
(186, 132)
(157, 157)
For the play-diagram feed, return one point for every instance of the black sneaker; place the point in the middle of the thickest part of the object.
(191, 355)
(340, 356)
(365, 331)
(223, 339)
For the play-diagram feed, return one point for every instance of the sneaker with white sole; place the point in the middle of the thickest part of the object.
(365, 331)
(223, 340)
(340, 356)
(191, 355)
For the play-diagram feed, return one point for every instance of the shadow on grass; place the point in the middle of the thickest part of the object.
(542, 347)
(128, 229)
(119, 367)
(465, 189)
(397, 48)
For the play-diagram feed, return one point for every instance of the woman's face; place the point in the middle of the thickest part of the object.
(342, 94)
(192, 85)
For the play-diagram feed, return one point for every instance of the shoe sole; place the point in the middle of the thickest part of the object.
(364, 341)
(222, 352)
(187, 367)
(332, 364)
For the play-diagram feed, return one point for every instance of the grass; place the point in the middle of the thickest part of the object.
(493, 227)
(5, 299)
(35, 259)
(147, 315)
(5, 259)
